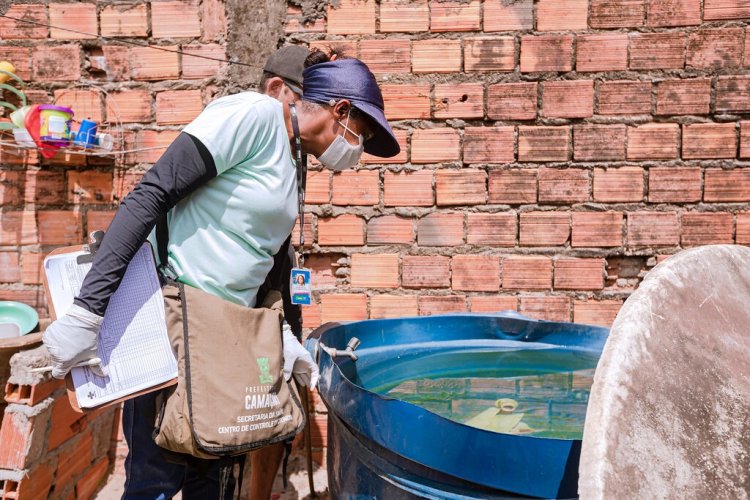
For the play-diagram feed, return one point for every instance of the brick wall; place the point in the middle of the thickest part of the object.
(553, 152)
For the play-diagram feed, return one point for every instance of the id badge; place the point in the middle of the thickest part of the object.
(300, 286)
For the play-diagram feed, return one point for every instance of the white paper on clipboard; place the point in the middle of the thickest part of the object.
(133, 341)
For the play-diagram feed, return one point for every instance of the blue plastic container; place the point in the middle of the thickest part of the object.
(381, 447)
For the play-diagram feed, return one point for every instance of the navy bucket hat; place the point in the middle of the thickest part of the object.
(351, 79)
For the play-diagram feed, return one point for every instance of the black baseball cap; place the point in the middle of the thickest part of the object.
(288, 63)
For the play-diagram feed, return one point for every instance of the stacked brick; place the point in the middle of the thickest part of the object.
(48, 450)
(140, 95)
(552, 153)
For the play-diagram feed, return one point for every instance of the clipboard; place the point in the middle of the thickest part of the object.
(85, 256)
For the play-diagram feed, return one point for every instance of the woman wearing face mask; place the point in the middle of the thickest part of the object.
(228, 184)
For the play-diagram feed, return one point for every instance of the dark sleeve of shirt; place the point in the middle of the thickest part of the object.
(184, 167)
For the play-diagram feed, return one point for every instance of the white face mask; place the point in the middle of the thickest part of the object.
(341, 155)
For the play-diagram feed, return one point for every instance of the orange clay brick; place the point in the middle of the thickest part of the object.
(613, 185)
(318, 188)
(430, 305)
(493, 303)
(674, 184)
(651, 229)
(441, 230)
(706, 228)
(10, 267)
(175, 107)
(117, 62)
(624, 98)
(343, 307)
(129, 106)
(89, 187)
(725, 186)
(500, 15)
(406, 16)
(44, 187)
(175, 19)
(596, 312)
(513, 186)
(32, 268)
(401, 137)
(196, 67)
(77, 17)
(475, 273)
(744, 139)
(579, 274)
(436, 56)
(18, 227)
(616, 13)
(352, 17)
(98, 220)
(512, 101)
(360, 187)
(599, 142)
(86, 104)
(490, 54)
(294, 23)
(214, 18)
(602, 52)
(393, 306)
(544, 229)
(386, 56)
(57, 62)
(653, 141)
(455, 16)
(408, 189)
(10, 28)
(59, 227)
(546, 53)
(390, 230)
(719, 10)
(562, 15)
(124, 20)
(406, 101)
(463, 100)
(527, 273)
(743, 228)
(657, 50)
(543, 143)
(344, 230)
(435, 145)
(563, 185)
(21, 58)
(568, 99)
(461, 187)
(345, 47)
(550, 308)
(498, 229)
(425, 271)
(709, 140)
(149, 64)
(153, 139)
(733, 94)
(714, 48)
(488, 144)
(374, 271)
(675, 13)
(596, 229)
(683, 97)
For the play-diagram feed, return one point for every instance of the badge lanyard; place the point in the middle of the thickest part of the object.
(300, 286)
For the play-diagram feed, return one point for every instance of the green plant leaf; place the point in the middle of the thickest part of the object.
(15, 91)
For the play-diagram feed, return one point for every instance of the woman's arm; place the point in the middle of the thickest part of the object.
(184, 167)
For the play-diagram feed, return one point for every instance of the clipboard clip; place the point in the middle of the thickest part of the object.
(95, 240)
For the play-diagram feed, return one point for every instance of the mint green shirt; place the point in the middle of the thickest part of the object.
(222, 238)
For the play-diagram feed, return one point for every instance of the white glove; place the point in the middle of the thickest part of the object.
(72, 339)
(297, 361)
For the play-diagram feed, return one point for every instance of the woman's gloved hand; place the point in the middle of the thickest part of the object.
(297, 361)
(72, 339)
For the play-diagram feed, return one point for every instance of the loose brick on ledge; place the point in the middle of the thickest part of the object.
(495, 229)
(733, 94)
(77, 17)
(489, 54)
(124, 20)
(52, 63)
(463, 100)
(352, 17)
(175, 107)
(393, 306)
(374, 270)
(28, 12)
(361, 187)
(709, 140)
(20, 56)
(18, 227)
(488, 144)
(743, 228)
(512, 101)
(683, 97)
(390, 230)
(656, 141)
(429, 271)
(546, 53)
(343, 307)
(744, 139)
(129, 106)
(475, 273)
(436, 56)
(89, 187)
(657, 50)
(150, 64)
(175, 19)
(347, 229)
(441, 230)
(430, 305)
(616, 13)
(564, 185)
(318, 188)
(719, 10)
(562, 15)
(455, 15)
(602, 52)
(706, 228)
(568, 99)
(527, 273)
(612, 185)
(406, 16)
(493, 303)
(461, 187)
(435, 145)
(513, 187)
(653, 229)
(386, 56)
(714, 48)
(599, 142)
(408, 189)
(550, 308)
(725, 186)
(579, 274)
(543, 143)
(197, 67)
(153, 139)
(675, 13)
(544, 229)
(596, 312)
(406, 101)
(624, 98)
(368, 159)
(674, 184)
(597, 229)
(500, 15)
